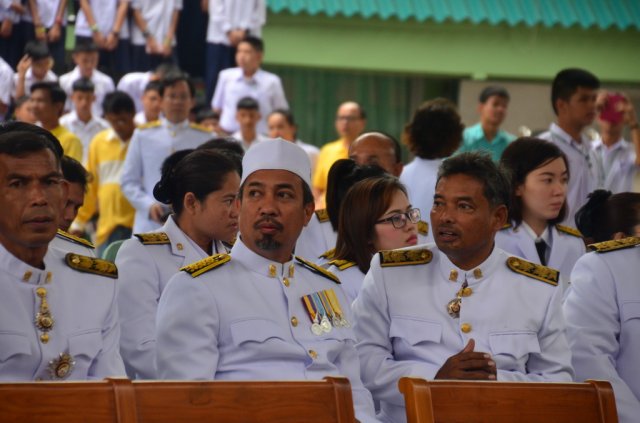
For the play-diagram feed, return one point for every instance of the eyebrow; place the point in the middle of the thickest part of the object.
(23, 176)
(462, 198)
(285, 186)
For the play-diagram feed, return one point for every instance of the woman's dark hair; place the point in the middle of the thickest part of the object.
(522, 157)
(605, 214)
(435, 130)
(343, 175)
(198, 171)
(362, 207)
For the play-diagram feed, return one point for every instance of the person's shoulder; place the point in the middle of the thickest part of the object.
(615, 245)
(316, 269)
(568, 231)
(405, 257)
(102, 77)
(533, 271)
(229, 73)
(155, 124)
(331, 146)
(206, 265)
(91, 265)
(200, 128)
(74, 239)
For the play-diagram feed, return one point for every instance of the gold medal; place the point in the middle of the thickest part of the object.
(61, 367)
(316, 328)
(453, 308)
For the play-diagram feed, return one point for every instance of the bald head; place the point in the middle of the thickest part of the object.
(350, 121)
(379, 149)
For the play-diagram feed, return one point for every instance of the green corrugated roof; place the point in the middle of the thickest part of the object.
(602, 14)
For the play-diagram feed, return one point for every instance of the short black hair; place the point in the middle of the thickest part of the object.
(74, 172)
(172, 78)
(605, 214)
(165, 68)
(206, 113)
(522, 157)
(286, 114)
(84, 85)
(153, 86)
(20, 138)
(86, 47)
(493, 90)
(199, 171)
(37, 50)
(118, 102)
(20, 101)
(226, 145)
(435, 129)
(56, 93)
(256, 43)
(481, 167)
(248, 103)
(567, 82)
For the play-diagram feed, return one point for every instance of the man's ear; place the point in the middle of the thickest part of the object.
(308, 212)
(500, 216)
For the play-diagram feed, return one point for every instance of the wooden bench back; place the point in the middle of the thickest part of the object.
(521, 402)
(123, 401)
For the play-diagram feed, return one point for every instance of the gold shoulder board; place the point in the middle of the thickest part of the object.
(342, 264)
(506, 226)
(535, 271)
(606, 246)
(153, 238)
(322, 215)
(199, 128)
(423, 228)
(152, 124)
(202, 266)
(317, 269)
(75, 239)
(328, 255)
(91, 265)
(392, 258)
(569, 230)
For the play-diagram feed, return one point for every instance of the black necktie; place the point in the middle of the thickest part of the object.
(541, 247)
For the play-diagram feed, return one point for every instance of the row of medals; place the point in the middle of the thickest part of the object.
(324, 324)
(62, 366)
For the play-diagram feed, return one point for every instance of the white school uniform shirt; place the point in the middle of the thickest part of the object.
(82, 306)
(564, 247)
(403, 327)
(7, 13)
(584, 166)
(618, 164)
(104, 13)
(226, 15)
(150, 145)
(134, 84)
(419, 177)
(265, 87)
(157, 14)
(84, 131)
(103, 86)
(247, 144)
(29, 80)
(245, 320)
(6, 84)
(47, 11)
(146, 262)
(603, 323)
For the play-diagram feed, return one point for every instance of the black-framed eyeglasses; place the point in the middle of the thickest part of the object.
(399, 220)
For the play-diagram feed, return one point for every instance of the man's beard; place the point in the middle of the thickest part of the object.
(267, 243)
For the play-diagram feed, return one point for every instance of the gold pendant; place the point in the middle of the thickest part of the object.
(61, 367)
(453, 308)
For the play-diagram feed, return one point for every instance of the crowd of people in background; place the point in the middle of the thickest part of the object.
(208, 201)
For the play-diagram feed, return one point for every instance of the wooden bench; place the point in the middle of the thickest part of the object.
(521, 402)
(123, 401)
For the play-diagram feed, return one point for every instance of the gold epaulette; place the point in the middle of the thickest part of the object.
(91, 265)
(152, 124)
(75, 239)
(535, 271)
(322, 215)
(341, 264)
(200, 128)
(392, 258)
(328, 255)
(615, 244)
(506, 226)
(202, 266)
(569, 230)
(317, 269)
(153, 238)
(423, 228)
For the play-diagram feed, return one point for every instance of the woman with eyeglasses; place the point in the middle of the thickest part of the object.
(201, 186)
(539, 178)
(375, 215)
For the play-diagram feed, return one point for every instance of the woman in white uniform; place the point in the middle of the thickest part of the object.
(539, 178)
(375, 215)
(201, 187)
(602, 307)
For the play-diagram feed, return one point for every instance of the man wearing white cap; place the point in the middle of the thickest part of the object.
(259, 312)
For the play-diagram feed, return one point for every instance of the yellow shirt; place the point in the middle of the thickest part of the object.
(71, 144)
(329, 154)
(104, 162)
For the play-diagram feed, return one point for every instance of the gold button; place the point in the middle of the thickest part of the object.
(477, 273)
(272, 270)
(44, 338)
(27, 276)
(467, 291)
(294, 321)
(41, 292)
(286, 282)
(453, 276)
(291, 270)
(48, 278)
(313, 354)
(179, 246)
(465, 327)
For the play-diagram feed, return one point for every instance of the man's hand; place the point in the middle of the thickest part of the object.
(23, 65)
(54, 33)
(156, 212)
(468, 365)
